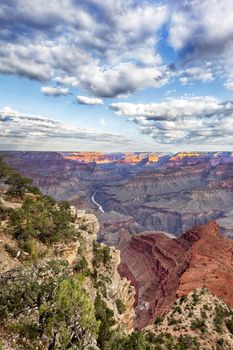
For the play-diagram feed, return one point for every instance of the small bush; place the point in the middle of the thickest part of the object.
(195, 298)
(198, 324)
(171, 321)
(102, 255)
(178, 309)
(158, 320)
(229, 324)
(120, 306)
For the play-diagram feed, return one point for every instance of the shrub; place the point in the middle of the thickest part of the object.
(158, 320)
(102, 255)
(218, 318)
(105, 316)
(120, 306)
(178, 309)
(183, 299)
(42, 219)
(198, 324)
(172, 321)
(229, 324)
(195, 298)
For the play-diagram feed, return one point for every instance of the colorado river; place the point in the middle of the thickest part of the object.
(97, 204)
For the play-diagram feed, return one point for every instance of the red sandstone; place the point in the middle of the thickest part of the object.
(162, 269)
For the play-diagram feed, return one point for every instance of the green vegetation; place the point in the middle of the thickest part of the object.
(218, 318)
(105, 316)
(43, 219)
(229, 324)
(158, 320)
(120, 306)
(18, 184)
(198, 323)
(102, 255)
(64, 311)
(195, 298)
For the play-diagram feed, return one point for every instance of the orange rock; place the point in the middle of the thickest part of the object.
(162, 269)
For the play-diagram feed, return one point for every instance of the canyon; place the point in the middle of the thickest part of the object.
(178, 289)
(138, 191)
(162, 268)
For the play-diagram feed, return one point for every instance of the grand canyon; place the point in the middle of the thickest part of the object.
(137, 191)
(169, 215)
(166, 218)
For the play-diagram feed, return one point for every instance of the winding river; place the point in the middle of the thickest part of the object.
(97, 204)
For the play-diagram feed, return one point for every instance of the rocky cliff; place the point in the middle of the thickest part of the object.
(162, 268)
(199, 320)
(47, 247)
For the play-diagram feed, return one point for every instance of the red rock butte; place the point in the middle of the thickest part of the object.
(163, 269)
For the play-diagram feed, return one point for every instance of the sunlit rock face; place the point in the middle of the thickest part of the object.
(104, 158)
(163, 268)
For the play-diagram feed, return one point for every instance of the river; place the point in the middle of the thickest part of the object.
(97, 204)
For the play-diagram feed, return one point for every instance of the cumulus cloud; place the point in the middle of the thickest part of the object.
(169, 109)
(229, 85)
(83, 43)
(37, 130)
(201, 30)
(189, 120)
(55, 91)
(204, 74)
(86, 100)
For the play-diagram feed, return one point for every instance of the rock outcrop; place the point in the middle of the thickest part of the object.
(162, 268)
(199, 321)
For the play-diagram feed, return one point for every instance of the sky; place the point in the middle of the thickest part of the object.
(116, 75)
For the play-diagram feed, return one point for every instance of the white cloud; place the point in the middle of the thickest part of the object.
(72, 42)
(169, 109)
(189, 120)
(103, 122)
(196, 73)
(16, 127)
(229, 85)
(201, 30)
(86, 100)
(54, 91)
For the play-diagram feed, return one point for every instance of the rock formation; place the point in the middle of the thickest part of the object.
(199, 321)
(163, 268)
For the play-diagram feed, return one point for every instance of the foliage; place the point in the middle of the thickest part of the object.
(71, 319)
(195, 298)
(105, 316)
(158, 320)
(102, 255)
(63, 311)
(229, 324)
(218, 318)
(82, 267)
(198, 323)
(42, 219)
(120, 306)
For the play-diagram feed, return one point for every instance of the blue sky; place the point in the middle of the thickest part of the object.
(119, 75)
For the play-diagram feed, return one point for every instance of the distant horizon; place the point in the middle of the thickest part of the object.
(114, 152)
